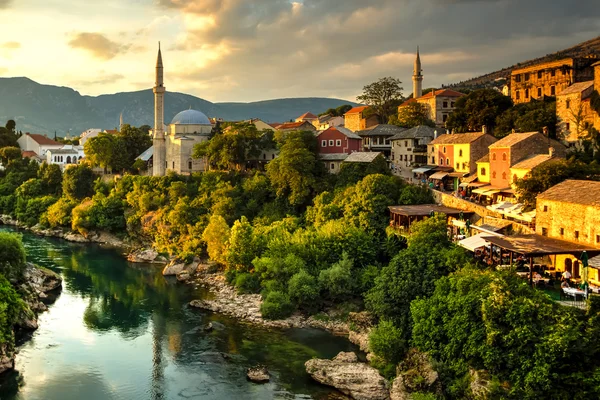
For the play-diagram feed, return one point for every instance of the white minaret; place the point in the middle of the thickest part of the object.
(417, 77)
(121, 122)
(159, 157)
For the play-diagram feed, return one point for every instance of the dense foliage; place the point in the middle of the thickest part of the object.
(411, 115)
(383, 97)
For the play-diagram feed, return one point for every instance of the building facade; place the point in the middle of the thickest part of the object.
(459, 151)
(377, 138)
(39, 144)
(409, 150)
(548, 79)
(66, 155)
(338, 141)
(357, 120)
(573, 111)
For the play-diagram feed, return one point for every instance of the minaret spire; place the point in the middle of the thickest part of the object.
(158, 140)
(417, 77)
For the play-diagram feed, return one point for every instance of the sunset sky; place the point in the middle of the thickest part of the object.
(241, 50)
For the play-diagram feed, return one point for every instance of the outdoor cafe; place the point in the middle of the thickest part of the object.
(402, 217)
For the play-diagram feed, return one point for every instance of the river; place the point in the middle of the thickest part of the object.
(123, 331)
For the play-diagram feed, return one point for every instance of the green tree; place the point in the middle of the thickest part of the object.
(241, 250)
(136, 141)
(233, 148)
(532, 116)
(11, 126)
(12, 255)
(351, 173)
(303, 291)
(478, 108)
(216, 236)
(50, 176)
(107, 151)
(383, 96)
(337, 280)
(411, 115)
(8, 154)
(78, 182)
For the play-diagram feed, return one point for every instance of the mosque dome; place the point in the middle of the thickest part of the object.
(191, 117)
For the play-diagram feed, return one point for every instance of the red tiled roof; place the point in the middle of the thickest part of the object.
(112, 131)
(308, 115)
(28, 154)
(274, 124)
(292, 125)
(41, 139)
(356, 110)
(442, 92)
(407, 102)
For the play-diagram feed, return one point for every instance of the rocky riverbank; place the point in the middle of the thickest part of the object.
(38, 287)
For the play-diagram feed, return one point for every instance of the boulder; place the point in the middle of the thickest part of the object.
(75, 237)
(183, 276)
(177, 266)
(353, 378)
(144, 256)
(7, 358)
(208, 327)
(415, 374)
(258, 374)
(42, 280)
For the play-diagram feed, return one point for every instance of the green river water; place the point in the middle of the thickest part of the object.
(123, 331)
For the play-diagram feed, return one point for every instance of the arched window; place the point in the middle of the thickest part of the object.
(494, 157)
(569, 265)
(494, 175)
(444, 150)
(68, 159)
(515, 178)
(503, 156)
(483, 172)
(576, 270)
(447, 161)
(190, 165)
(504, 175)
(460, 153)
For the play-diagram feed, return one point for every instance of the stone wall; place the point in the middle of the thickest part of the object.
(574, 220)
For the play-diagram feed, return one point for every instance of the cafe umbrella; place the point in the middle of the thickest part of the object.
(584, 261)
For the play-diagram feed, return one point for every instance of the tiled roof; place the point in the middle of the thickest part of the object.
(333, 157)
(407, 102)
(442, 92)
(307, 115)
(416, 132)
(458, 138)
(532, 162)
(112, 131)
(574, 191)
(512, 139)
(362, 157)
(344, 131)
(381, 130)
(292, 125)
(577, 87)
(483, 159)
(29, 154)
(356, 110)
(41, 139)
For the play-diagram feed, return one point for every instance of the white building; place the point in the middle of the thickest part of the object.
(64, 156)
(87, 135)
(39, 144)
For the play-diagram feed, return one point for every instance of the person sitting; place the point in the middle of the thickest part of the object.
(537, 276)
(564, 284)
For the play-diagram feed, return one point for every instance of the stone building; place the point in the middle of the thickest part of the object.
(459, 151)
(571, 211)
(327, 121)
(440, 104)
(296, 126)
(573, 111)
(409, 150)
(377, 138)
(357, 120)
(514, 148)
(548, 79)
(308, 117)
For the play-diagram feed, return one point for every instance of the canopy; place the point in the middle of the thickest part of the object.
(478, 184)
(439, 175)
(490, 192)
(421, 170)
(481, 190)
(474, 242)
(464, 184)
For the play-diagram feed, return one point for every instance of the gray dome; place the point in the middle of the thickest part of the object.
(191, 117)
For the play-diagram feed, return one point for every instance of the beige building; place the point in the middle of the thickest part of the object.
(308, 117)
(571, 211)
(325, 122)
(440, 104)
(459, 151)
(573, 112)
(409, 150)
(548, 79)
(356, 120)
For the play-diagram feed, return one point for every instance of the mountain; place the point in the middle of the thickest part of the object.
(589, 48)
(41, 108)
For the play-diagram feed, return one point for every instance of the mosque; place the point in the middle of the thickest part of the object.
(173, 144)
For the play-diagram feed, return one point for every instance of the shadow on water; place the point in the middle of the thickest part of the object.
(121, 331)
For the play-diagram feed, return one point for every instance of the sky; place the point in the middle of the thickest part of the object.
(249, 50)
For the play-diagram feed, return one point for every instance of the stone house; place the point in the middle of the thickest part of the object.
(39, 144)
(459, 151)
(308, 117)
(333, 161)
(338, 141)
(548, 79)
(440, 103)
(409, 150)
(522, 169)
(571, 211)
(296, 126)
(514, 148)
(259, 124)
(327, 121)
(377, 138)
(357, 120)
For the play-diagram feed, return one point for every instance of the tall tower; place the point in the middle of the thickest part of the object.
(158, 140)
(417, 77)
(121, 122)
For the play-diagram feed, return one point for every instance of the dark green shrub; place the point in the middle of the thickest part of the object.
(276, 306)
(303, 290)
(387, 342)
(12, 255)
(247, 283)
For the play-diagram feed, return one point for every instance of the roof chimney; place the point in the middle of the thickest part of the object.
(483, 128)
(545, 131)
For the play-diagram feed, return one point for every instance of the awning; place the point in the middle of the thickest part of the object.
(490, 192)
(478, 184)
(421, 170)
(474, 242)
(459, 223)
(464, 184)
(481, 190)
(456, 174)
(439, 175)
(490, 230)
(508, 191)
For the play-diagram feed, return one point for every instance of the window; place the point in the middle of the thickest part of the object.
(494, 157)
(503, 156)
(393, 156)
(444, 150)
(526, 76)
(332, 166)
(331, 143)
(444, 117)
(526, 93)
(540, 73)
(545, 208)
(264, 156)
(518, 78)
(553, 72)
(544, 231)
(504, 175)
(410, 157)
(464, 166)
(433, 160)
(562, 231)
(323, 143)
(552, 90)
(515, 178)
(173, 164)
(441, 161)
(482, 172)
(452, 104)
(457, 165)
(568, 126)
(597, 238)
(338, 142)
(517, 95)
(445, 104)
(460, 153)
(576, 234)
(539, 92)
(406, 143)
(190, 165)
(568, 103)
(273, 156)
(447, 161)
(494, 175)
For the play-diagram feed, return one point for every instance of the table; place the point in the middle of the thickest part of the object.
(573, 292)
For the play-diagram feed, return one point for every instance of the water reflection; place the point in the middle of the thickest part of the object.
(122, 331)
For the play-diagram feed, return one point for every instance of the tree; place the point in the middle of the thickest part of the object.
(107, 151)
(78, 182)
(11, 126)
(533, 116)
(411, 115)
(240, 251)
(216, 236)
(50, 176)
(136, 141)
(12, 255)
(351, 173)
(383, 97)
(7, 154)
(232, 148)
(478, 108)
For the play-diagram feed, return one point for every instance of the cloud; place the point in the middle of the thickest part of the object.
(11, 45)
(98, 45)
(101, 79)
(313, 47)
(5, 3)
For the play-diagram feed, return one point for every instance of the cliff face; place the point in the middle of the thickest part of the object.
(42, 109)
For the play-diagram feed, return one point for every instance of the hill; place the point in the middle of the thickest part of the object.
(589, 48)
(41, 108)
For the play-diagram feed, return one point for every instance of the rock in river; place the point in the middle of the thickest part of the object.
(258, 374)
(349, 376)
(144, 256)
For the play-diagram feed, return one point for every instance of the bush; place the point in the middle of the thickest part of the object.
(247, 283)
(387, 342)
(304, 291)
(59, 213)
(10, 308)
(12, 255)
(29, 211)
(337, 280)
(276, 306)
